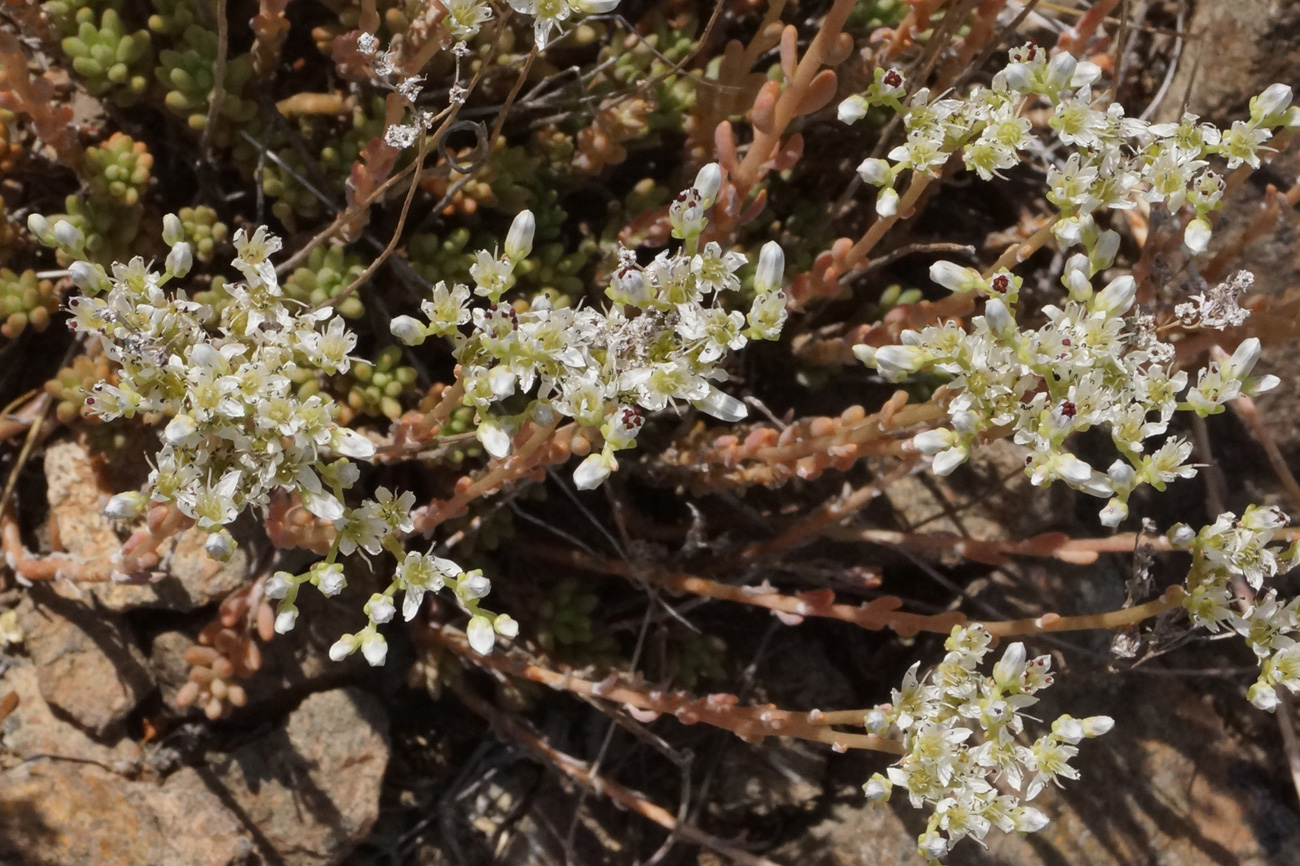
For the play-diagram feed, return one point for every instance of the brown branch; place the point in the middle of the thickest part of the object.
(751, 723)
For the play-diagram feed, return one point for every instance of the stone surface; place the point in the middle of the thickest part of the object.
(305, 793)
(86, 661)
(1240, 47)
(311, 787)
(72, 814)
(32, 731)
(77, 493)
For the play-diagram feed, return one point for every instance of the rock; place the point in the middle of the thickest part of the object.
(311, 787)
(86, 663)
(77, 494)
(306, 793)
(1239, 48)
(66, 802)
(32, 731)
(72, 814)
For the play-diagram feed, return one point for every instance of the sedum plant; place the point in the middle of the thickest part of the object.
(260, 382)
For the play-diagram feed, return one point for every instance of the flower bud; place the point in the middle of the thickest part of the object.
(505, 626)
(1011, 666)
(998, 317)
(722, 406)
(180, 260)
(1274, 100)
(1017, 77)
(409, 330)
(173, 230)
(68, 237)
(494, 438)
(875, 172)
(38, 225)
(279, 584)
(1197, 236)
(179, 429)
(1104, 251)
(125, 506)
(220, 545)
(878, 788)
(771, 268)
(898, 362)
(592, 472)
(285, 619)
(1263, 696)
(1060, 71)
(474, 585)
(1181, 536)
(91, 279)
(380, 608)
(342, 648)
(876, 722)
(480, 634)
(329, 578)
(1028, 819)
(887, 202)
(1095, 726)
(519, 240)
(1069, 729)
(1243, 359)
(707, 183)
(1117, 297)
(853, 109)
(954, 277)
(374, 648)
(933, 441)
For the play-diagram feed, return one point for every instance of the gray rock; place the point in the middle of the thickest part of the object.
(311, 787)
(86, 663)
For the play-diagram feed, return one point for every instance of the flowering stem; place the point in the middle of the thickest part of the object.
(859, 251)
(1111, 620)
(511, 468)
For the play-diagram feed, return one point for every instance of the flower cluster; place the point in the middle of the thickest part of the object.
(550, 14)
(1114, 160)
(239, 432)
(1086, 367)
(961, 732)
(661, 342)
(1235, 548)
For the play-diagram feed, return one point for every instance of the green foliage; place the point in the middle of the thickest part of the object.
(109, 58)
(328, 271)
(25, 300)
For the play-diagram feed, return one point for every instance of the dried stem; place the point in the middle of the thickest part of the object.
(751, 723)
